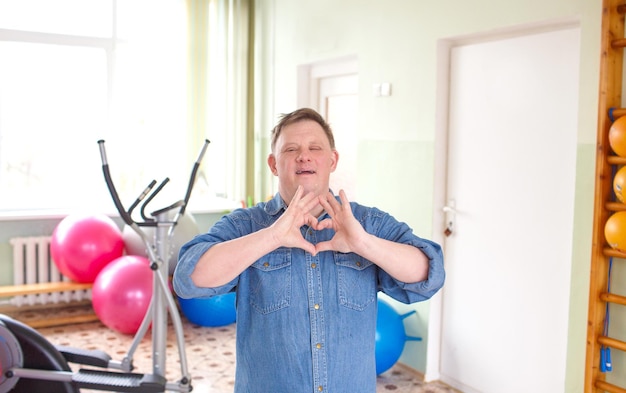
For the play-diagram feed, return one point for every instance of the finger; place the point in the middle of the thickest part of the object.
(297, 195)
(324, 224)
(324, 202)
(334, 206)
(309, 202)
(332, 199)
(308, 247)
(311, 221)
(303, 203)
(345, 203)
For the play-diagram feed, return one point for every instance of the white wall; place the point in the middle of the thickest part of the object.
(396, 41)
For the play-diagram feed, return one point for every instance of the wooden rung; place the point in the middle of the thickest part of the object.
(29, 289)
(616, 160)
(60, 321)
(615, 206)
(612, 342)
(617, 112)
(618, 43)
(610, 252)
(612, 298)
(607, 387)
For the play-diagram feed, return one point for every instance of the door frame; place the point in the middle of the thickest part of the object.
(310, 74)
(314, 79)
(442, 108)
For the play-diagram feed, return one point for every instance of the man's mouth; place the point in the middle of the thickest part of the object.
(305, 172)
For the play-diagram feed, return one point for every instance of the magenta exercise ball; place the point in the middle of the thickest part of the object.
(82, 245)
(122, 292)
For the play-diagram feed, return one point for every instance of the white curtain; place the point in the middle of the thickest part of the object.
(218, 91)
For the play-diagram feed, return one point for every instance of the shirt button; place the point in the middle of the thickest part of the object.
(320, 388)
(313, 265)
(358, 264)
(317, 306)
(266, 264)
(318, 346)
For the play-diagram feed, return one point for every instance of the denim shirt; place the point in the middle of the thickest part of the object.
(307, 323)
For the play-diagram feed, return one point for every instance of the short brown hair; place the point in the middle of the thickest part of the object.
(300, 115)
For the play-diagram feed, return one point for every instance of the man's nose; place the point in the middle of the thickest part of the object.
(303, 156)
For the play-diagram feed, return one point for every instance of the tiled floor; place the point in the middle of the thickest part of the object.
(210, 354)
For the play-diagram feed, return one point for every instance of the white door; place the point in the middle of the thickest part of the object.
(339, 104)
(511, 163)
(332, 87)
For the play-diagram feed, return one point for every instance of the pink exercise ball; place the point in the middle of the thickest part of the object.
(82, 245)
(122, 292)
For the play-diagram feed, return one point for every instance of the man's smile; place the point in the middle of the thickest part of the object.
(305, 172)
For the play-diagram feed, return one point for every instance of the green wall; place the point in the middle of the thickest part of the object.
(397, 41)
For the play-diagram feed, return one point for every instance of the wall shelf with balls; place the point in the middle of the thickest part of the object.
(609, 220)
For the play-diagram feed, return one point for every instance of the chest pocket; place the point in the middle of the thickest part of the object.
(356, 281)
(270, 282)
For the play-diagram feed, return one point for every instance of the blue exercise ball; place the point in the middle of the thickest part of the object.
(390, 336)
(219, 310)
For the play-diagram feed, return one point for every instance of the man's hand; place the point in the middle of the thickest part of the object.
(286, 230)
(349, 234)
(403, 262)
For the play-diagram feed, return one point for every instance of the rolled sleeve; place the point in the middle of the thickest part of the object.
(422, 290)
(187, 259)
(385, 226)
(436, 272)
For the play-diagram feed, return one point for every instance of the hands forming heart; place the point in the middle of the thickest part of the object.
(348, 231)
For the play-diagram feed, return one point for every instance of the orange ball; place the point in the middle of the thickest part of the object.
(617, 136)
(619, 184)
(615, 231)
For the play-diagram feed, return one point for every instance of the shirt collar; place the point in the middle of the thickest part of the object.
(275, 205)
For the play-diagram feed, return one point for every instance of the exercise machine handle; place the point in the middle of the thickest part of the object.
(107, 177)
(194, 172)
(126, 215)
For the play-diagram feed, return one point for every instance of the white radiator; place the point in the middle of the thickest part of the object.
(33, 264)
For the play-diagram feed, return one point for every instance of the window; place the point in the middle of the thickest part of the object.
(75, 71)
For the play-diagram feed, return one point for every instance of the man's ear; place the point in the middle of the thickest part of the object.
(335, 159)
(271, 163)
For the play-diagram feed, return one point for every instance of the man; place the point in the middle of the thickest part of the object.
(307, 267)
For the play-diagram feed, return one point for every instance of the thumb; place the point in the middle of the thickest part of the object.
(324, 246)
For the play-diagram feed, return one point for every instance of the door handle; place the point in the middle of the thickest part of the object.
(450, 216)
(448, 209)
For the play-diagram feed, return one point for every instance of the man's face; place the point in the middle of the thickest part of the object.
(302, 156)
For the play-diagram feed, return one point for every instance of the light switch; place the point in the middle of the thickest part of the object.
(385, 89)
